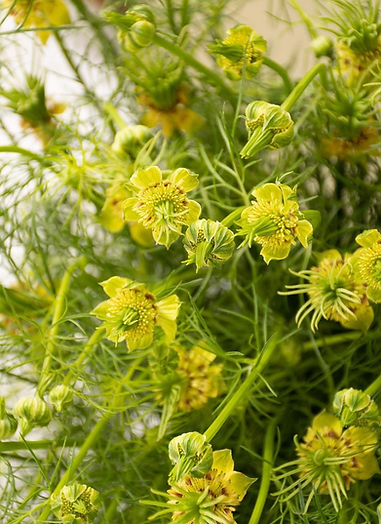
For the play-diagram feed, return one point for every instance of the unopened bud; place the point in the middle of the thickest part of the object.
(355, 408)
(191, 454)
(129, 138)
(208, 243)
(269, 126)
(75, 504)
(8, 423)
(322, 46)
(136, 28)
(60, 395)
(32, 412)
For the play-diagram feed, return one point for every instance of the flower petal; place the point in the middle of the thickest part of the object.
(113, 285)
(364, 318)
(268, 192)
(270, 252)
(138, 343)
(194, 211)
(185, 179)
(168, 307)
(223, 461)
(374, 294)
(368, 238)
(143, 178)
(304, 232)
(128, 212)
(326, 423)
(239, 484)
(101, 310)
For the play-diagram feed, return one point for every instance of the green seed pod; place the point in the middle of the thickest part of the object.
(208, 243)
(60, 395)
(137, 27)
(269, 126)
(130, 138)
(355, 408)
(322, 46)
(190, 454)
(32, 412)
(75, 504)
(8, 423)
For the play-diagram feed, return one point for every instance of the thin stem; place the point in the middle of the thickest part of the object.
(374, 387)
(193, 62)
(260, 365)
(89, 347)
(36, 444)
(332, 340)
(301, 87)
(230, 219)
(281, 71)
(58, 309)
(268, 451)
(90, 440)
(306, 19)
(112, 111)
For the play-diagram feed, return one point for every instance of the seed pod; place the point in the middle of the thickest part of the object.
(32, 412)
(75, 504)
(190, 454)
(128, 139)
(8, 423)
(60, 395)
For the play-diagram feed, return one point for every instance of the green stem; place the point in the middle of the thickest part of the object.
(280, 71)
(24, 152)
(332, 340)
(230, 219)
(90, 345)
(193, 62)
(58, 309)
(266, 473)
(36, 444)
(306, 19)
(259, 366)
(301, 87)
(111, 110)
(374, 387)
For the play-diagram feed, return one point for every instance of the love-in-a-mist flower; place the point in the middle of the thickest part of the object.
(38, 14)
(330, 460)
(334, 293)
(353, 407)
(367, 262)
(211, 499)
(201, 379)
(274, 221)
(75, 504)
(208, 243)
(269, 126)
(132, 313)
(242, 47)
(32, 412)
(161, 204)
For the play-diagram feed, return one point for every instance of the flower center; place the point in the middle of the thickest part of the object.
(370, 265)
(163, 204)
(285, 224)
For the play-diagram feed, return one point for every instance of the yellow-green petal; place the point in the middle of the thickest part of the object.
(113, 285)
(223, 461)
(268, 192)
(368, 238)
(304, 232)
(270, 252)
(128, 212)
(185, 179)
(143, 178)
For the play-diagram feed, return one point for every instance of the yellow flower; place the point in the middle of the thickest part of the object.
(330, 460)
(38, 13)
(355, 148)
(75, 504)
(162, 205)
(353, 64)
(334, 293)
(367, 262)
(176, 117)
(275, 222)
(111, 216)
(132, 313)
(242, 46)
(200, 379)
(211, 498)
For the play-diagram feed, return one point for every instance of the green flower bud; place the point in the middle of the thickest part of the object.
(355, 408)
(242, 47)
(268, 126)
(322, 46)
(128, 139)
(208, 243)
(190, 454)
(60, 395)
(32, 412)
(75, 504)
(136, 28)
(8, 423)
